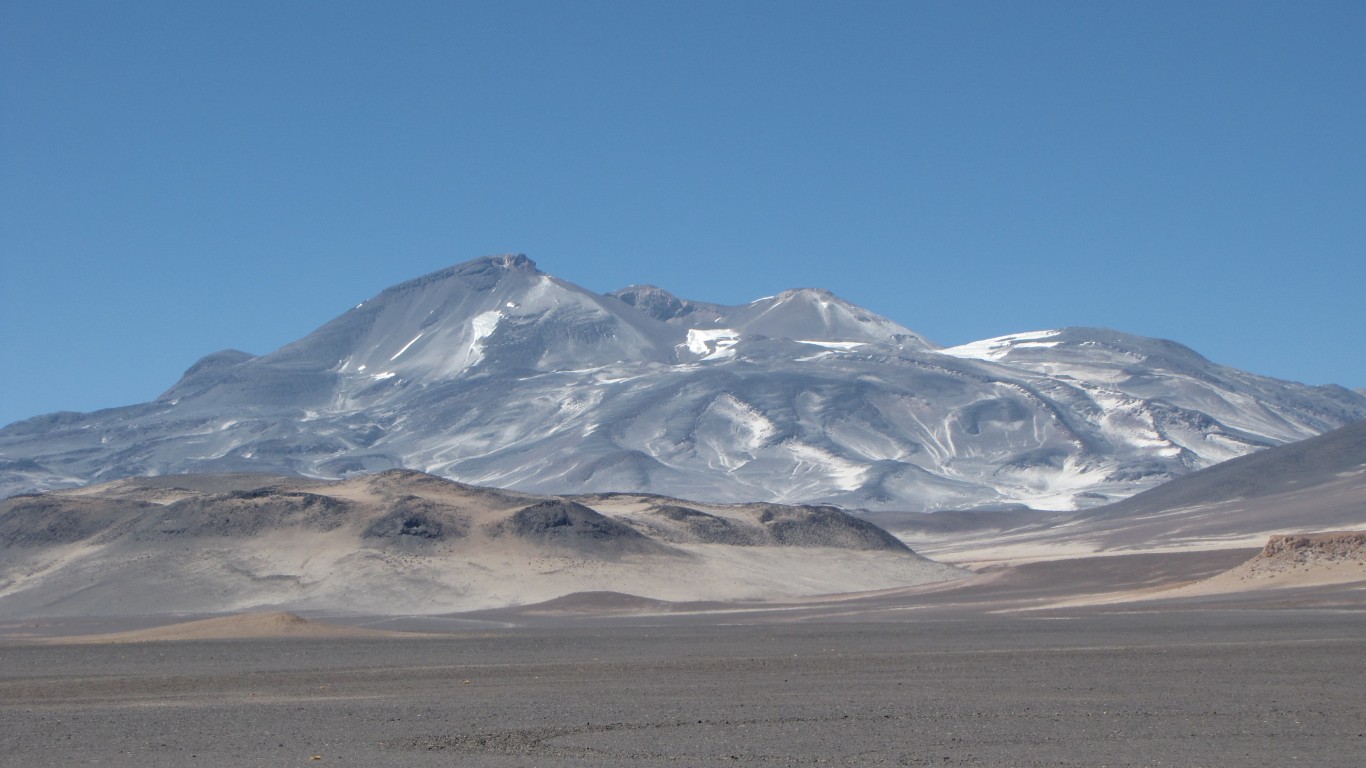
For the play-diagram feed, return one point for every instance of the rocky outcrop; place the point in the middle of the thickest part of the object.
(419, 519)
(248, 513)
(1299, 548)
(568, 524)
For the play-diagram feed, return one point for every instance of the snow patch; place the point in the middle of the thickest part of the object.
(712, 343)
(1048, 488)
(482, 326)
(999, 347)
(405, 347)
(816, 468)
(1127, 419)
(840, 345)
(840, 472)
(749, 426)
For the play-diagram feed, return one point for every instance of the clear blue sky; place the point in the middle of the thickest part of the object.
(182, 177)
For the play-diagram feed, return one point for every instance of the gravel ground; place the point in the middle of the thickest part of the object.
(1217, 688)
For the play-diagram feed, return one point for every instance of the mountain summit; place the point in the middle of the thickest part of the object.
(493, 372)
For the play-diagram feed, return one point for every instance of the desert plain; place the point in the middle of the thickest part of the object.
(1002, 669)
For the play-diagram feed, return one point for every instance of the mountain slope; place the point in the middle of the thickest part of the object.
(492, 372)
(1330, 467)
(1315, 485)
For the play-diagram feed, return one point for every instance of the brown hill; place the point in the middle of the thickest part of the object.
(403, 542)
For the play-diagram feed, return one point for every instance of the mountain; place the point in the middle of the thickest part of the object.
(404, 542)
(1312, 486)
(494, 373)
(802, 314)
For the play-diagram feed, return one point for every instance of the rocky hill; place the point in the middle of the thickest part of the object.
(405, 542)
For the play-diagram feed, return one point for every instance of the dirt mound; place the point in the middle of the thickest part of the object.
(242, 626)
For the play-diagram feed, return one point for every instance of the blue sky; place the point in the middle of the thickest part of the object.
(178, 178)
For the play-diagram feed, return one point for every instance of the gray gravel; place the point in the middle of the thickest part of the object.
(1227, 688)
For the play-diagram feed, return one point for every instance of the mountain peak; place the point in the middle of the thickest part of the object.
(662, 305)
(815, 313)
(479, 274)
(641, 289)
(817, 294)
(640, 295)
(509, 261)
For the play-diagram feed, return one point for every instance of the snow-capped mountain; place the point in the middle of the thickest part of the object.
(493, 373)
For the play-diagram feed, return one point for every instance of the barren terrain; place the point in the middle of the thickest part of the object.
(1218, 622)
(403, 542)
(1265, 688)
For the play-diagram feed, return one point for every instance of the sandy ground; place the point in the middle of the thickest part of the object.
(1163, 580)
(1221, 688)
(257, 626)
(1246, 581)
(1177, 658)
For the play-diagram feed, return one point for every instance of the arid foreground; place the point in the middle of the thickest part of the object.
(1219, 620)
(1169, 688)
